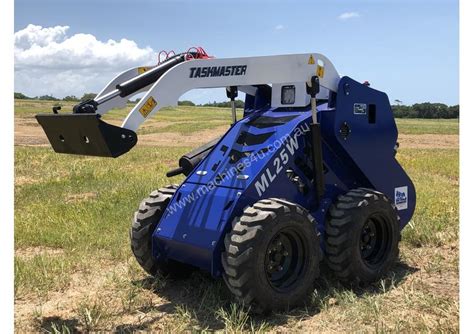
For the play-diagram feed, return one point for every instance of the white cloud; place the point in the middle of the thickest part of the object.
(39, 35)
(49, 61)
(279, 27)
(348, 16)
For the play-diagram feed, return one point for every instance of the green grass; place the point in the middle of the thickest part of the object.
(66, 201)
(436, 177)
(50, 211)
(29, 108)
(428, 126)
(44, 273)
(83, 207)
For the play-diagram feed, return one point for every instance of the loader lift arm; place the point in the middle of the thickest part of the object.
(84, 132)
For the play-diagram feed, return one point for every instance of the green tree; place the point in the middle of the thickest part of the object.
(71, 98)
(88, 96)
(186, 103)
(48, 98)
(226, 104)
(21, 96)
(426, 110)
(453, 111)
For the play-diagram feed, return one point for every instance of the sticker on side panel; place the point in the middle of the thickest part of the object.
(311, 60)
(360, 109)
(146, 109)
(401, 198)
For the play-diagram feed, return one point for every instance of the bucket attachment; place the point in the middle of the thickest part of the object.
(86, 134)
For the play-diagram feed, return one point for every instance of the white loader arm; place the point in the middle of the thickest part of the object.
(242, 72)
(119, 102)
(84, 132)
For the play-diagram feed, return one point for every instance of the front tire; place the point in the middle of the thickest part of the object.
(271, 258)
(144, 222)
(362, 236)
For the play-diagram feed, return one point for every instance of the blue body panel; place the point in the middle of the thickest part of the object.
(370, 146)
(260, 155)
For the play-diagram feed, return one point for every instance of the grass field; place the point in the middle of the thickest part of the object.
(74, 270)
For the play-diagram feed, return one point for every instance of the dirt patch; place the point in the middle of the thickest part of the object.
(29, 133)
(34, 314)
(76, 198)
(30, 252)
(24, 180)
(176, 140)
(428, 141)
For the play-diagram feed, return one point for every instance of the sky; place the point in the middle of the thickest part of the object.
(406, 48)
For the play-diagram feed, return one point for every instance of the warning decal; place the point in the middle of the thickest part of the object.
(311, 60)
(320, 71)
(149, 105)
(143, 69)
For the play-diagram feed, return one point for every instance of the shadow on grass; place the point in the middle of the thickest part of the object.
(329, 286)
(204, 296)
(133, 328)
(59, 325)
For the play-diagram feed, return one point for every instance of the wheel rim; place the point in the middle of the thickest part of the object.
(375, 239)
(285, 259)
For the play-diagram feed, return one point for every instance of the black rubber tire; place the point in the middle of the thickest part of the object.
(144, 223)
(246, 248)
(346, 249)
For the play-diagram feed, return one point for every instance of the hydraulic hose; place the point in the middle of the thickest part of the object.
(129, 87)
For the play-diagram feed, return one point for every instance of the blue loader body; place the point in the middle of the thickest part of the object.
(267, 154)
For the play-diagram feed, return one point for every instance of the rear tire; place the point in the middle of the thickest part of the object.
(271, 258)
(362, 236)
(144, 223)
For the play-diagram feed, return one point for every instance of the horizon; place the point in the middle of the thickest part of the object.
(197, 104)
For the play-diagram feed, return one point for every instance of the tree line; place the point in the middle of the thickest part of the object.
(417, 110)
(69, 98)
(226, 104)
(426, 110)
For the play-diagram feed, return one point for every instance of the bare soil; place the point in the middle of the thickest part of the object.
(175, 139)
(426, 141)
(413, 278)
(29, 133)
(74, 198)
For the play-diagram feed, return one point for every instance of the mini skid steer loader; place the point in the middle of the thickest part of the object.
(308, 173)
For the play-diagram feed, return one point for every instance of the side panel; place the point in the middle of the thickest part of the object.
(194, 222)
(365, 128)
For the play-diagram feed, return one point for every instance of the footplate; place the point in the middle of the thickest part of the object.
(86, 134)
